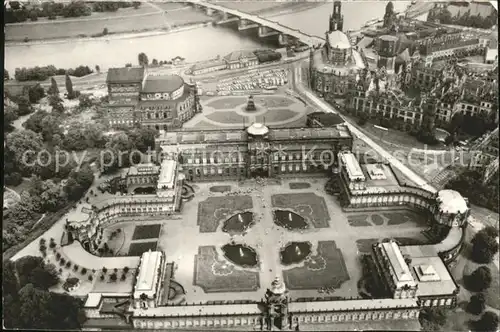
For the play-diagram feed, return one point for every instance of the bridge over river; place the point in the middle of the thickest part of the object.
(266, 28)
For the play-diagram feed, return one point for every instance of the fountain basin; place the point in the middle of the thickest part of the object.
(295, 252)
(289, 220)
(238, 223)
(240, 255)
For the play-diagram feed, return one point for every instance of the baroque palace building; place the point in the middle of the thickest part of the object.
(154, 100)
(412, 276)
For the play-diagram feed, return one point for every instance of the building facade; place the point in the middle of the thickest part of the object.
(156, 101)
(255, 151)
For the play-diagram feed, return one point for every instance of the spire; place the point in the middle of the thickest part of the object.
(336, 18)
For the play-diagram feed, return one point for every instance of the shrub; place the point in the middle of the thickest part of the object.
(123, 277)
(102, 277)
(52, 245)
(91, 278)
(84, 270)
(104, 270)
(126, 269)
(113, 277)
(68, 265)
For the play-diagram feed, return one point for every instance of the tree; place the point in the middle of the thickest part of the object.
(104, 270)
(24, 106)
(485, 245)
(105, 31)
(476, 304)
(98, 69)
(36, 93)
(143, 59)
(126, 269)
(9, 115)
(24, 144)
(432, 319)
(85, 101)
(33, 16)
(136, 4)
(69, 87)
(33, 270)
(479, 280)
(123, 277)
(487, 323)
(113, 277)
(154, 62)
(6, 75)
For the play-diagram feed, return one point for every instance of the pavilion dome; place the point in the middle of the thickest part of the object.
(257, 129)
(450, 201)
(338, 39)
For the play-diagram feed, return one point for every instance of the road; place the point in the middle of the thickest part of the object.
(325, 107)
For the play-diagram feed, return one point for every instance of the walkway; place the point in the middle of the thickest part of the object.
(303, 37)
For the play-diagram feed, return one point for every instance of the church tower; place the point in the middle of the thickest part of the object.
(336, 18)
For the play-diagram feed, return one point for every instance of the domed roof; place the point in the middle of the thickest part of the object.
(257, 129)
(338, 39)
(450, 201)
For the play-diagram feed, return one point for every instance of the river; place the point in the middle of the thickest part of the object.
(194, 44)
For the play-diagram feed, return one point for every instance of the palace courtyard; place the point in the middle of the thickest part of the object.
(330, 240)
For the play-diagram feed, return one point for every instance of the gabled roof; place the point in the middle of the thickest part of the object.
(125, 75)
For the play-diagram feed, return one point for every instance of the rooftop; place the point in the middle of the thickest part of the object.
(370, 304)
(125, 75)
(435, 280)
(167, 173)
(257, 129)
(162, 83)
(144, 169)
(338, 39)
(352, 166)
(150, 262)
(450, 201)
(398, 265)
(237, 55)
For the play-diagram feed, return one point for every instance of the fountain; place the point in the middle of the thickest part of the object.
(295, 252)
(250, 104)
(240, 254)
(289, 220)
(239, 223)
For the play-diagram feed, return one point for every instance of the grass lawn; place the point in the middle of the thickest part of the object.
(275, 115)
(464, 267)
(377, 220)
(307, 205)
(359, 220)
(213, 210)
(299, 185)
(137, 249)
(274, 101)
(227, 103)
(214, 275)
(227, 117)
(327, 269)
(146, 232)
(220, 189)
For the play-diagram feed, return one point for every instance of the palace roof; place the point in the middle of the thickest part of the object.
(257, 129)
(338, 39)
(162, 83)
(125, 75)
(148, 270)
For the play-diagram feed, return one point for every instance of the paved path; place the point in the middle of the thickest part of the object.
(377, 148)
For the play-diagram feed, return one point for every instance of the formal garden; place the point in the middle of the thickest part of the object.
(214, 210)
(391, 218)
(325, 269)
(308, 205)
(214, 274)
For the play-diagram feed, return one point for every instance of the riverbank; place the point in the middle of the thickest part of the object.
(115, 36)
(81, 30)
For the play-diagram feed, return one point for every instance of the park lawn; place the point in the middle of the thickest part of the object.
(275, 115)
(137, 249)
(332, 274)
(229, 278)
(465, 266)
(213, 210)
(146, 232)
(307, 205)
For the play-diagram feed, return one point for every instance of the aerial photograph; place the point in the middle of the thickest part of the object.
(217, 165)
